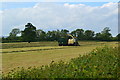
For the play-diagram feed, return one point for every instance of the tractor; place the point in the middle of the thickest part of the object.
(68, 41)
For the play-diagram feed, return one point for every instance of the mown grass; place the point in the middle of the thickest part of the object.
(99, 63)
(43, 55)
(42, 44)
(25, 44)
(26, 49)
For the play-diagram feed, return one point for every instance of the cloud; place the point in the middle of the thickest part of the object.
(1, 22)
(51, 16)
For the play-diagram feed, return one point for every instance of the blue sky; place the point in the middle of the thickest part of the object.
(12, 5)
(59, 0)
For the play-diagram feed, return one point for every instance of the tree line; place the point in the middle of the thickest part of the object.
(31, 34)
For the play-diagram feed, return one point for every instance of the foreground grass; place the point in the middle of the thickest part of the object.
(100, 63)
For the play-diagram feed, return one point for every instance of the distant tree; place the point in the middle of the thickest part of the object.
(98, 36)
(89, 35)
(49, 35)
(41, 35)
(114, 38)
(13, 36)
(74, 33)
(52, 35)
(29, 33)
(14, 32)
(1, 39)
(105, 35)
(79, 33)
(64, 32)
(118, 37)
(58, 34)
(105, 30)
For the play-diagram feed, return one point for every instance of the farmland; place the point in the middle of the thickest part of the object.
(43, 53)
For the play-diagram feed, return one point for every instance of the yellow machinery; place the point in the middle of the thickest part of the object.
(69, 41)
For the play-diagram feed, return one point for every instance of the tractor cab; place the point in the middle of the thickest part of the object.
(68, 41)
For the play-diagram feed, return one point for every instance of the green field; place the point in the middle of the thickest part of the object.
(43, 53)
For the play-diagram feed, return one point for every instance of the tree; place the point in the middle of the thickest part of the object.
(89, 35)
(14, 32)
(79, 33)
(105, 35)
(118, 37)
(105, 30)
(64, 33)
(52, 35)
(98, 36)
(1, 39)
(58, 33)
(29, 33)
(41, 35)
(74, 33)
(13, 35)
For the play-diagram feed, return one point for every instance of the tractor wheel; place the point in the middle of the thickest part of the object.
(60, 44)
(76, 44)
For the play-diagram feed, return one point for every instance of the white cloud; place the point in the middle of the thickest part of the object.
(1, 23)
(49, 16)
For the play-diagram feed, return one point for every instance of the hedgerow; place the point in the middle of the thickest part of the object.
(100, 63)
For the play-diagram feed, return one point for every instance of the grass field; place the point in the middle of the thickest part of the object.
(43, 53)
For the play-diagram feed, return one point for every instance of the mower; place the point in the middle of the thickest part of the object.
(68, 41)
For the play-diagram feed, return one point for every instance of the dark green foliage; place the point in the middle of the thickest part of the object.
(105, 35)
(13, 36)
(64, 33)
(118, 37)
(55, 35)
(29, 33)
(79, 33)
(40, 35)
(14, 32)
(89, 35)
(11, 39)
(100, 63)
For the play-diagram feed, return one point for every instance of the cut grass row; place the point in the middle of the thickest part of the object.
(47, 47)
(26, 49)
(25, 44)
(42, 44)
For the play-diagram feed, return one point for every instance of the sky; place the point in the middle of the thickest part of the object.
(60, 15)
(59, 0)
(13, 5)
